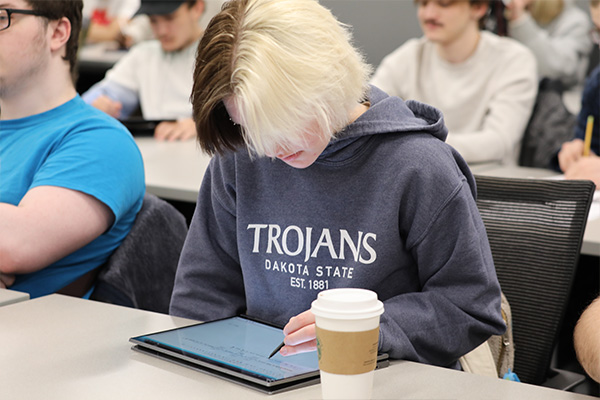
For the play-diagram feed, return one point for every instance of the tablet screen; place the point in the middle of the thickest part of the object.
(239, 343)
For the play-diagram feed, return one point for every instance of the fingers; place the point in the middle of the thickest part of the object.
(6, 280)
(299, 321)
(109, 106)
(301, 348)
(180, 130)
(585, 168)
(569, 153)
(300, 334)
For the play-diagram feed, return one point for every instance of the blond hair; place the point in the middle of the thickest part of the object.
(545, 11)
(287, 65)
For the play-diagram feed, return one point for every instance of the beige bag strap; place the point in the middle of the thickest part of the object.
(480, 361)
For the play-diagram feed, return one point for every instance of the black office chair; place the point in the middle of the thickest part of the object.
(535, 229)
(141, 271)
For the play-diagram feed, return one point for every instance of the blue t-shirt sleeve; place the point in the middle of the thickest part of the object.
(102, 161)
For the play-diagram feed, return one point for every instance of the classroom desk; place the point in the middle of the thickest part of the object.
(591, 237)
(59, 347)
(99, 56)
(174, 170)
(11, 296)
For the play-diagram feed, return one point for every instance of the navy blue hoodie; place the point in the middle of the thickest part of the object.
(388, 206)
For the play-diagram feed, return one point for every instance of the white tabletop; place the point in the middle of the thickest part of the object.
(174, 170)
(59, 347)
(591, 236)
(11, 296)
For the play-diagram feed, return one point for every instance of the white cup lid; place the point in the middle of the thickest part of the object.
(347, 303)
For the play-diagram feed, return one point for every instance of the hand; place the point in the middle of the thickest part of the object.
(569, 153)
(6, 280)
(300, 334)
(516, 8)
(585, 168)
(109, 106)
(183, 129)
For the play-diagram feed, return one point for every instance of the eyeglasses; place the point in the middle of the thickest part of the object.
(5, 14)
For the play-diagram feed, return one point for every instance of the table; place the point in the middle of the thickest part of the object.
(174, 170)
(591, 237)
(12, 296)
(59, 347)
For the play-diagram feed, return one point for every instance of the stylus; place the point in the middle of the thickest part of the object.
(277, 349)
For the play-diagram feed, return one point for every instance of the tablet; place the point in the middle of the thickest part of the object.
(236, 349)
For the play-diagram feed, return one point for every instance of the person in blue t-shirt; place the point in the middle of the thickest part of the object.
(71, 178)
(570, 157)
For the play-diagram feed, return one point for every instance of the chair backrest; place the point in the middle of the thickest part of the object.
(141, 271)
(550, 125)
(535, 229)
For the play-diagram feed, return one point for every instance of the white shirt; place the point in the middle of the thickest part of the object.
(162, 80)
(486, 100)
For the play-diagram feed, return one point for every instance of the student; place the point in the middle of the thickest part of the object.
(586, 339)
(71, 178)
(570, 157)
(557, 31)
(156, 75)
(106, 19)
(320, 181)
(484, 84)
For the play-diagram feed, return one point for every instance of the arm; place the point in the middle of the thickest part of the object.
(209, 282)
(182, 129)
(560, 55)
(114, 99)
(586, 339)
(458, 306)
(585, 168)
(37, 232)
(509, 110)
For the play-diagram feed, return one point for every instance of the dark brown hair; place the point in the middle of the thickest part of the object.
(212, 81)
(55, 10)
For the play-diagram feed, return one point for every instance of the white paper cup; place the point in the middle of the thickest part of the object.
(347, 322)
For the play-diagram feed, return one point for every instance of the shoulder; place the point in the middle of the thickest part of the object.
(84, 126)
(410, 48)
(507, 55)
(504, 47)
(572, 16)
(146, 51)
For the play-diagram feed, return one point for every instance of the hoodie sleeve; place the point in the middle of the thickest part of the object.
(458, 306)
(209, 282)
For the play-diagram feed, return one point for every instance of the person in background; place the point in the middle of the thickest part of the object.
(484, 84)
(321, 181)
(156, 75)
(586, 339)
(106, 19)
(71, 178)
(557, 31)
(570, 157)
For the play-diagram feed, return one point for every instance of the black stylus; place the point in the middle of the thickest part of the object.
(277, 349)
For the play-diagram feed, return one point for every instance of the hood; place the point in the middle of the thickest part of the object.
(387, 115)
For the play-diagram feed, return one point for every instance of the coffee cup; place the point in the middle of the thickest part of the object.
(347, 324)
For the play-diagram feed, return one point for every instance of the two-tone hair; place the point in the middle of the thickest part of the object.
(288, 66)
